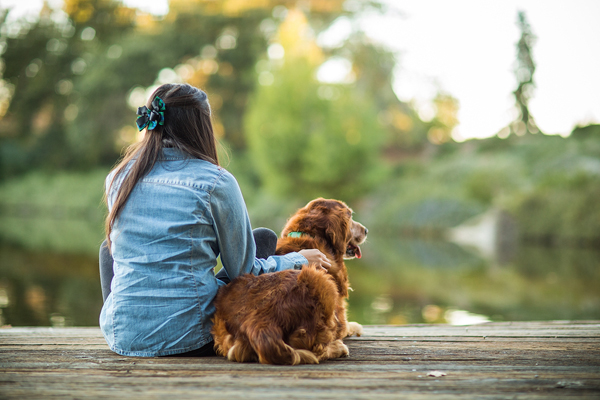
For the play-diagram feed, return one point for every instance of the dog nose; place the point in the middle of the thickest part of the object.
(366, 231)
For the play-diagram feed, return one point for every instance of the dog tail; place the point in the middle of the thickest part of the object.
(223, 340)
(271, 349)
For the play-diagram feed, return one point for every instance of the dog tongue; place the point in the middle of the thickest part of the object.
(357, 252)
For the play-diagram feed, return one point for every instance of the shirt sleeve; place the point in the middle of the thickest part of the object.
(112, 185)
(110, 191)
(234, 234)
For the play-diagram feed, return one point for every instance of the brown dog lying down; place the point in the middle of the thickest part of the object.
(294, 317)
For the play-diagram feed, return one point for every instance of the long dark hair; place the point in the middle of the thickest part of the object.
(187, 127)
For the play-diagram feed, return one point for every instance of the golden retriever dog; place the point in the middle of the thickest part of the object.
(294, 317)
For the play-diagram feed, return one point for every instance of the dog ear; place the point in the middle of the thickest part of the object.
(336, 231)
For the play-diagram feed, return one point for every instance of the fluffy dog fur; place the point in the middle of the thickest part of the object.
(294, 317)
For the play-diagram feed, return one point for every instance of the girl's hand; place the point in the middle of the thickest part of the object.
(315, 256)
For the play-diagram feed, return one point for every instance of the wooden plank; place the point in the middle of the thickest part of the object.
(506, 329)
(494, 329)
(372, 330)
(518, 360)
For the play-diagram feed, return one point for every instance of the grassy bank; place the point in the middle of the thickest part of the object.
(61, 212)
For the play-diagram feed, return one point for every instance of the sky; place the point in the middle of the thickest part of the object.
(466, 48)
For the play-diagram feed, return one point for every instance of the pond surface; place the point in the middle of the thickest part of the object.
(410, 281)
(48, 281)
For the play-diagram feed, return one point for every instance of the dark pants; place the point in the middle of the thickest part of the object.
(266, 243)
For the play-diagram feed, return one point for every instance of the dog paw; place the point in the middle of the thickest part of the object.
(354, 328)
(344, 351)
(337, 349)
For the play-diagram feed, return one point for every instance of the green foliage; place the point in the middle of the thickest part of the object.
(70, 78)
(178, 42)
(61, 212)
(562, 211)
(307, 146)
(549, 184)
(41, 190)
(558, 204)
(44, 62)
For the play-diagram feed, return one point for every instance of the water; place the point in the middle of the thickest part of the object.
(43, 288)
(399, 280)
(410, 281)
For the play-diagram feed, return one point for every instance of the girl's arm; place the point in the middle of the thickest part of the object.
(234, 234)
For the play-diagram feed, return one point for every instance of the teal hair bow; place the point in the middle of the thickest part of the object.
(153, 116)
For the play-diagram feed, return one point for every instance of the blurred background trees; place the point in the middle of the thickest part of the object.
(72, 80)
(45, 66)
(310, 139)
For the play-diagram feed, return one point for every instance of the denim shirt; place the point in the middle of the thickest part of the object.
(178, 219)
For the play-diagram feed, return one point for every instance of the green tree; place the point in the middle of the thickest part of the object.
(310, 139)
(43, 63)
(524, 70)
(184, 47)
(66, 83)
(306, 146)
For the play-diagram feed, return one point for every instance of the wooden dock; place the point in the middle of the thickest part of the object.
(520, 360)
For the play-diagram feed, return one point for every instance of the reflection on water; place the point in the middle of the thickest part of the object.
(48, 289)
(409, 281)
(397, 281)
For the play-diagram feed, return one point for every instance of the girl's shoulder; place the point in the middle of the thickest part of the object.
(175, 168)
(194, 172)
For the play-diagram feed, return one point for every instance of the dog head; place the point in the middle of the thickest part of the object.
(332, 221)
(358, 235)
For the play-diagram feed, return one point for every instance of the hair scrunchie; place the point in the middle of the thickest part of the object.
(151, 117)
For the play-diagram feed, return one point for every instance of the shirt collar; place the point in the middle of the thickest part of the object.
(172, 154)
